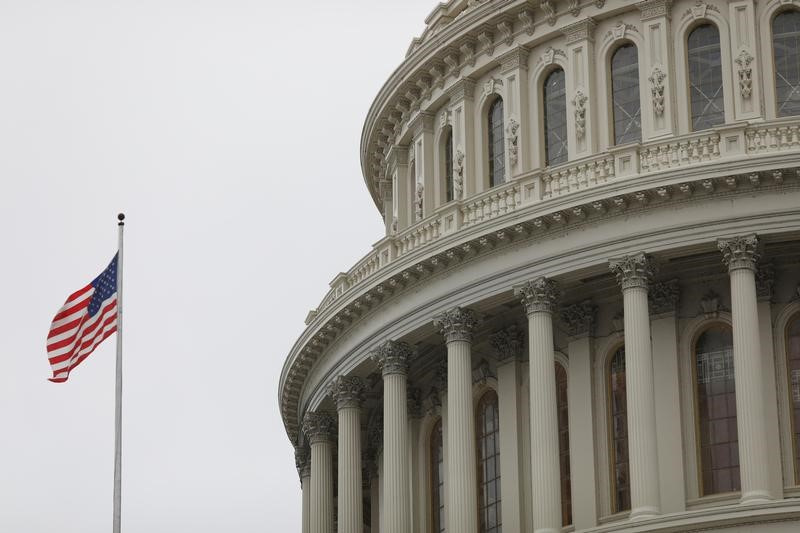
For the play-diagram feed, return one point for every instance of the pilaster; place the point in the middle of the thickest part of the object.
(462, 112)
(581, 90)
(656, 60)
(514, 72)
(746, 65)
(423, 145)
(397, 170)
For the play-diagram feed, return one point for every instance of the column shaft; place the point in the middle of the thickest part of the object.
(395, 454)
(642, 444)
(306, 513)
(546, 479)
(350, 516)
(321, 508)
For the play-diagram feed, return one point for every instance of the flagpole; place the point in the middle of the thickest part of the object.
(118, 402)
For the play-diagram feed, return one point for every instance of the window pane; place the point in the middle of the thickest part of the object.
(716, 411)
(563, 444)
(786, 47)
(555, 118)
(488, 440)
(793, 368)
(437, 477)
(620, 481)
(497, 161)
(625, 95)
(448, 165)
(705, 77)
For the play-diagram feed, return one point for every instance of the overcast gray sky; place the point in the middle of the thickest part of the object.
(227, 131)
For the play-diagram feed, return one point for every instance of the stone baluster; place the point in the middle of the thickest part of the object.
(320, 428)
(347, 393)
(457, 326)
(539, 298)
(634, 273)
(740, 256)
(302, 459)
(392, 358)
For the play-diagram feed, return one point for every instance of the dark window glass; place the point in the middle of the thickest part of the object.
(555, 118)
(620, 480)
(793, 369)
(437, 477)
(705, 77)
(488, 430)
(625, 95)
(497, 161)
(448, 166)
(716, 411)
(563, 444)
(786, 47)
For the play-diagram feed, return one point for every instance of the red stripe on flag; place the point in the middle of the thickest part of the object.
(75, 295)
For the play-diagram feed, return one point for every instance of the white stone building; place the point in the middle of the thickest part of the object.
(584, 315)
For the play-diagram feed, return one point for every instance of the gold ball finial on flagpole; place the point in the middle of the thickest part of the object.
(121, 218)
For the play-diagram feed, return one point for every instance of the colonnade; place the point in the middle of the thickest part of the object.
(457, 326)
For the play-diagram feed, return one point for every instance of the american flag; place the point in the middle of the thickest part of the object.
(87, 317)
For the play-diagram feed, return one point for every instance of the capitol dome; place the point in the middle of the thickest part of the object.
(584, 314)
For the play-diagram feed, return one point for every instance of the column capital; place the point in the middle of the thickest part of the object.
(456, 324)
(347, 391)
(302, 460)
(319, 426)
(579, 318)
(392, 357)
(664, 297)
(740, 252)
(538, 295)
(508, 344)
(633, 271)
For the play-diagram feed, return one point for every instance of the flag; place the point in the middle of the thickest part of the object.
(87, 318)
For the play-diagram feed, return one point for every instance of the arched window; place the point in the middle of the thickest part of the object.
(793, 370)
(716, 411)
(563, 444)
(554, 94)
(488, 433)
(448, 165)
(705, 77)
(618, 411)
(437, 477)
(497, 154)
(786, 50)
(625, 95)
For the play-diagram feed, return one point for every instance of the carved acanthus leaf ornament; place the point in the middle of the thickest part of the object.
(392, 357)
(319, 426)
(347, 391)
(739, 252)
(538, 295)
(633, 271)
(457, 324)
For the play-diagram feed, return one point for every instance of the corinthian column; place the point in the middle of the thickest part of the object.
(457, 325)
(634, 273)
(539, 298)
(302, 459)
(392, 358)
(348, 393)
(740, 256)
(320, 428)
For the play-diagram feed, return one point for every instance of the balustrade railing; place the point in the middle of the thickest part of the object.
(772, 138)
(680, 152)
(585, 175)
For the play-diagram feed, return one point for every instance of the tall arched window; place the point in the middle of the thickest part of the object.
(705, 77)
(497, 154)
(554, 94)
(448, 165)
(618, 412)
(716, 411)
(793, 370)
(563, 444)
(625, 95)
(437, 477)
(488, 430)
(786, 50)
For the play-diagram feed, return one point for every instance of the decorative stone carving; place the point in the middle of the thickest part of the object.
(526, 17)
(654, 8)
(765, 279)
(414, 402)
(482, 373)
(599, 3)
(710, 304)
(392, 357)
(618, 321)
(487, 41)
(302, 460)
(664, 297)
(743, 61)
(579, 318)
(512, 137)
(549, 11)
(490, 85)
(656, 78)
(508, 343)
(550, 54)
(633, 271)
(418, 200)
(579, 31)
(444, 118)
(506, 32)
(579, 101)
(699, 9)
(319, 426)
(347, 391)
(457, 324)
(574, 8)
(538, 295)
(451, 60)
(739, 252)
(458, 174)
(394, 224)
(468, 51)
